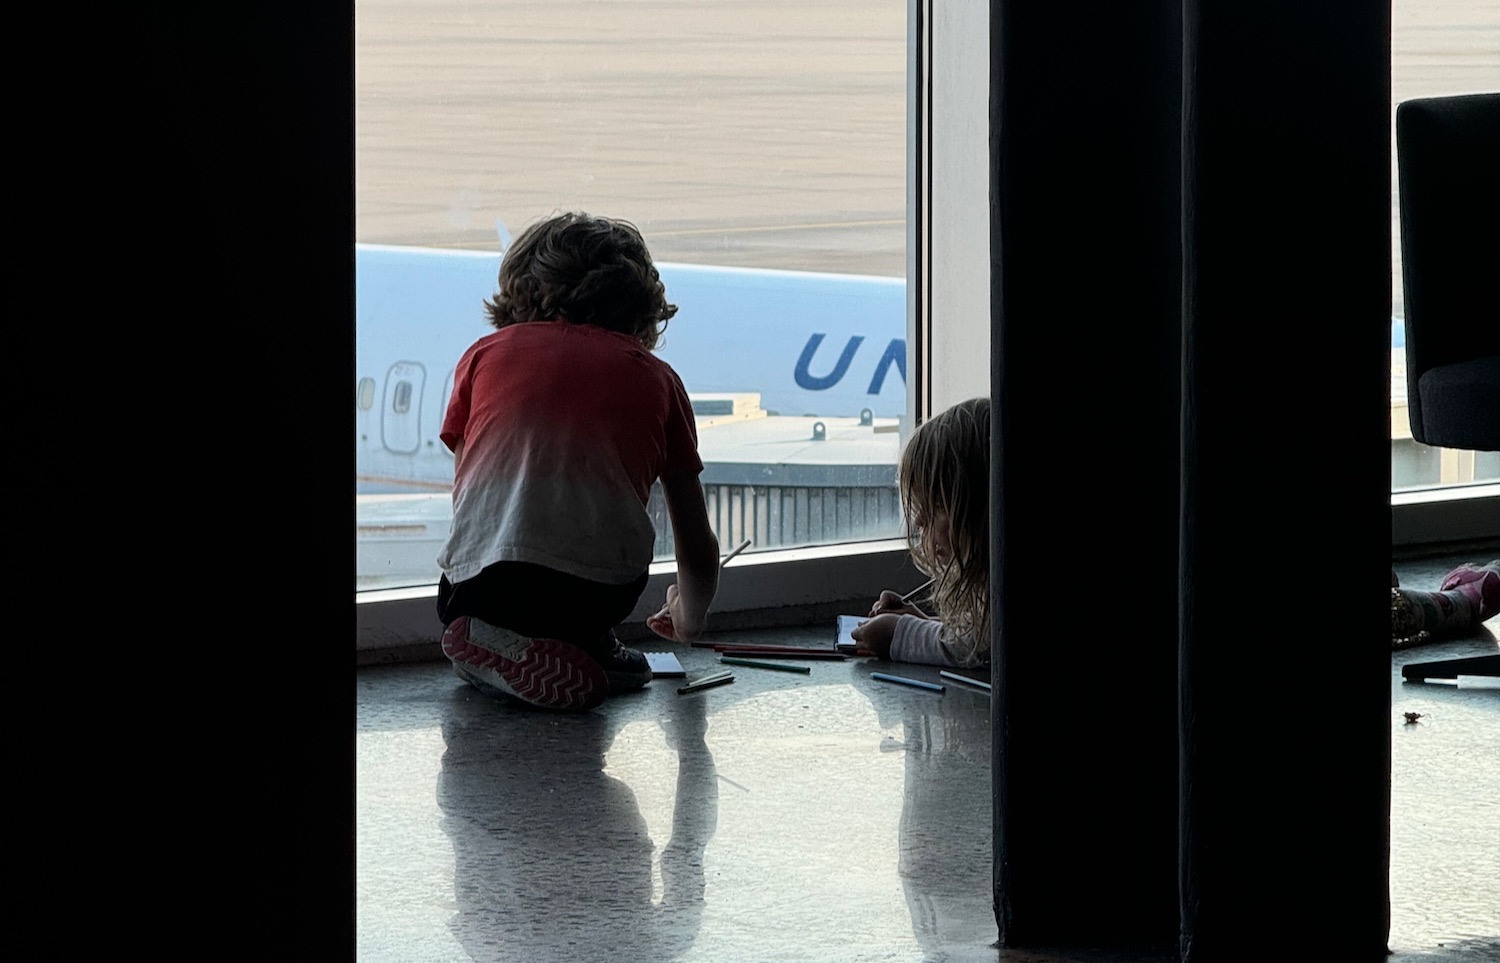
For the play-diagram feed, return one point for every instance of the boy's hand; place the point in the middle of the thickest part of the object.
(669, 622)
(874, 637)
(890, 602)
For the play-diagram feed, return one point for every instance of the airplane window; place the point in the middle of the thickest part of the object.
(767, 171)
(401, 398)
(364, 395)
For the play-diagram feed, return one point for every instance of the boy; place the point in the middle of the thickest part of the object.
(559, 423)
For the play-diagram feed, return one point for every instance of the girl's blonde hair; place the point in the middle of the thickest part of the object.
(946, 468)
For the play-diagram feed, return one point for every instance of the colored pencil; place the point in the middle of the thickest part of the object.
(730, 660)
(902, 680)
(740, 648)
(920, 588)
(743, 545)
(707, 681)
(963, 678)
(723, 562)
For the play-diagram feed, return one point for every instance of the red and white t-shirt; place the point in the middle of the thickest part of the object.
(565, 427)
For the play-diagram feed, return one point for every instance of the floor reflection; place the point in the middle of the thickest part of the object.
(552, 857)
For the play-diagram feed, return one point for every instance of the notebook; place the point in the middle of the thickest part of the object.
(664, 664)
(845, 642)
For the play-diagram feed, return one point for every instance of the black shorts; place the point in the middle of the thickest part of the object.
(540, 602)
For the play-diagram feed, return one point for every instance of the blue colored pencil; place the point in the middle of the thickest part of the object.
(902, 680)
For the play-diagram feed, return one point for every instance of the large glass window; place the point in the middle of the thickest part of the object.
(762, 152)
(1438, 48)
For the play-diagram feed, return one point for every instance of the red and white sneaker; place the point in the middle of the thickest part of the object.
(547, 673)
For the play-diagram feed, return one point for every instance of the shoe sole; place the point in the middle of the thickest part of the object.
(546, 673)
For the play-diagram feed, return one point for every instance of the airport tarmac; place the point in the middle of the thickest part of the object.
(764, 135)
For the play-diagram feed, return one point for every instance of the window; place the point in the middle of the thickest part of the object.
(767, 169)
(1437, 50)
(797, 163)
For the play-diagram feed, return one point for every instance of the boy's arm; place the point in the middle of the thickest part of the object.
(697, 551)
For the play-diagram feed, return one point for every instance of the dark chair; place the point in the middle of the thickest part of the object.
(1448, 157)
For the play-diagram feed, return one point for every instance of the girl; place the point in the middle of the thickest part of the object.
(944, 480)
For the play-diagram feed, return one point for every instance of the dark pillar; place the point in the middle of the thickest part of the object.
(1085, 148)
(1191, 297)
(1286, 440)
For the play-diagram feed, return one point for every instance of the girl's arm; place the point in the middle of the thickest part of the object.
(921, 641)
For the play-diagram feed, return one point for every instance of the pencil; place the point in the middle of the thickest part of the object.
(924, 586)
(778, 652)
(902, 680)
(963, 678)
(707, 681)
(731, 660)
(743, 545)
(723, 562)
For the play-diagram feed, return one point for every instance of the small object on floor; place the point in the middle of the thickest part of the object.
(707, 682)
(1412, 717)
(903, 680)
(1448, 670)
(730, 660)
(665, 665)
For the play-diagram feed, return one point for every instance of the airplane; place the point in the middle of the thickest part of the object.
(829, 345)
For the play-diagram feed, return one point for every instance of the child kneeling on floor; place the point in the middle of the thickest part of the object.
(560, 422)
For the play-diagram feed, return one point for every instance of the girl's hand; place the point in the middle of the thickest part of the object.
(890, 603)
(874, 637)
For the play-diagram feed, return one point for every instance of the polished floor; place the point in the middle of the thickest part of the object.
(825, 816)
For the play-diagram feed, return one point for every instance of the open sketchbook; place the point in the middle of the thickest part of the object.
(845, 642)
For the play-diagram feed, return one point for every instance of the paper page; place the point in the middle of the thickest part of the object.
(664, 664)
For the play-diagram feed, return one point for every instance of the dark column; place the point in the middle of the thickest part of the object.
(1286, 440)
(1086, 384)
(1191, 262)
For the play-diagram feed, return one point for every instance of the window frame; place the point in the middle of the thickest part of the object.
(947, 316)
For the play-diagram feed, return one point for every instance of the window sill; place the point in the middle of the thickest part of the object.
(772, 588)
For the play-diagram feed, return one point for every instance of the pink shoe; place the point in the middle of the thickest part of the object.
(547, 673)
(1480, 583)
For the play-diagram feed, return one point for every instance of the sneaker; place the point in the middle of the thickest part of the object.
(547, 673)
(626, 669)
(1481, 583)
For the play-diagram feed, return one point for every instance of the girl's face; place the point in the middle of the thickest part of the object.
(938, 535)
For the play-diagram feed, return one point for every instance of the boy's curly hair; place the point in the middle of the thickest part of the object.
(583, 269)
(946, 468)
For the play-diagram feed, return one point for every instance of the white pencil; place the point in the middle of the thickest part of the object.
(963, 678)
(743, 545)
(725, 561)
(920, 588)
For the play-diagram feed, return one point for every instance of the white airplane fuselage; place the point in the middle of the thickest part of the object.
(808, 343)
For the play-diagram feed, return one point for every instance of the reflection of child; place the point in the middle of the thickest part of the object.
(560, 422)
(1466, 597)
(944, 480)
